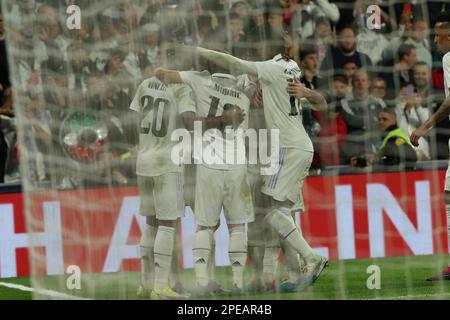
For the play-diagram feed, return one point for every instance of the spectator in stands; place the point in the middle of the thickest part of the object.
(415, 33)
(360, 115)
(275, 24)
(8, 139)
(3, 152)
(52, 31)
(349, 69)
(309, 65)
(378, 88)
(103, 55)
(129, 13)
(37, 141)
(109, 172)
(276, 35)
(79, 67)
(6, 106)
(305, 16)
(419, 40)
(311, 80)
(395, 151)
(238, 39)
(242, 9)
(372, 43)
(323, 38)
(288, 8)
(360, 15)
(258, 26)
(204, 29)
(399, 75)
(333, 129)
(412, 107)
(345, 52)
(54, 75)
(172, 21)
(149, 48)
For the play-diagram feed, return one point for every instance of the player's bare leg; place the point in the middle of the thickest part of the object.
(445, 275)
(146, 248)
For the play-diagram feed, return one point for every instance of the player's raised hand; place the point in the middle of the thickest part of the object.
(233, 116)
(160, 73)
(416, 135)
(297, 89)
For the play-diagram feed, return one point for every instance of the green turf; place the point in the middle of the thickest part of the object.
(400, 277)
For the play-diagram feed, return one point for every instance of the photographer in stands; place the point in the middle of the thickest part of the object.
(395, 152)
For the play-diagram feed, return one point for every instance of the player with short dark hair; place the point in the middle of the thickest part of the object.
(160, 181)
(219, 182)
(442, 40)
(282, 109)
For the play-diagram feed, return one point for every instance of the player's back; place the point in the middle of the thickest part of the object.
(274, 76)
(213, 95)
(158, 106)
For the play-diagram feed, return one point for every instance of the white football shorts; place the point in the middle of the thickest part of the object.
(228, 188)
(162, 196)
(287, 180)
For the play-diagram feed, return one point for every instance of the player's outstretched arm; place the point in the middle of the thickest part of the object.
(298, 89)
(438, 116)
(168, 76)
(228, 61)
(229, 117)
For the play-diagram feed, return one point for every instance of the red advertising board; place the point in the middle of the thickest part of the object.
(348, 216)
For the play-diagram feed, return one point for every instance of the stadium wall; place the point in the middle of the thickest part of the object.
(348, 217)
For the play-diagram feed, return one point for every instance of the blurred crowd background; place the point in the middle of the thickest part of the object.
(72, 88)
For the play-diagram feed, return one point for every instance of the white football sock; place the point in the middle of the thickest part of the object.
(256, 247)
(256, 255)
(271, 253)
(292, 261)
(202, 255)
(238, 254)
(282, 222)
(212, 259)
(164, 242)
(174, 276)
(146, 251)
(270, 263)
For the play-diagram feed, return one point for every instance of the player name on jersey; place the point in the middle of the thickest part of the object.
(157, 86)
(227, 91)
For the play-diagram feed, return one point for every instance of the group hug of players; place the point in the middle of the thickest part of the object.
(223, 101)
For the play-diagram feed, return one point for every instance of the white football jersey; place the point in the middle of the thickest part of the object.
(159, 106)
(274, 76)
(213, 94)
(446, 67)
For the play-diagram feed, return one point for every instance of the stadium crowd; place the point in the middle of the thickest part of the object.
(87, 77)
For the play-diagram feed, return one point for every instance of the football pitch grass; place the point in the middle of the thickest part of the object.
(401, 278)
